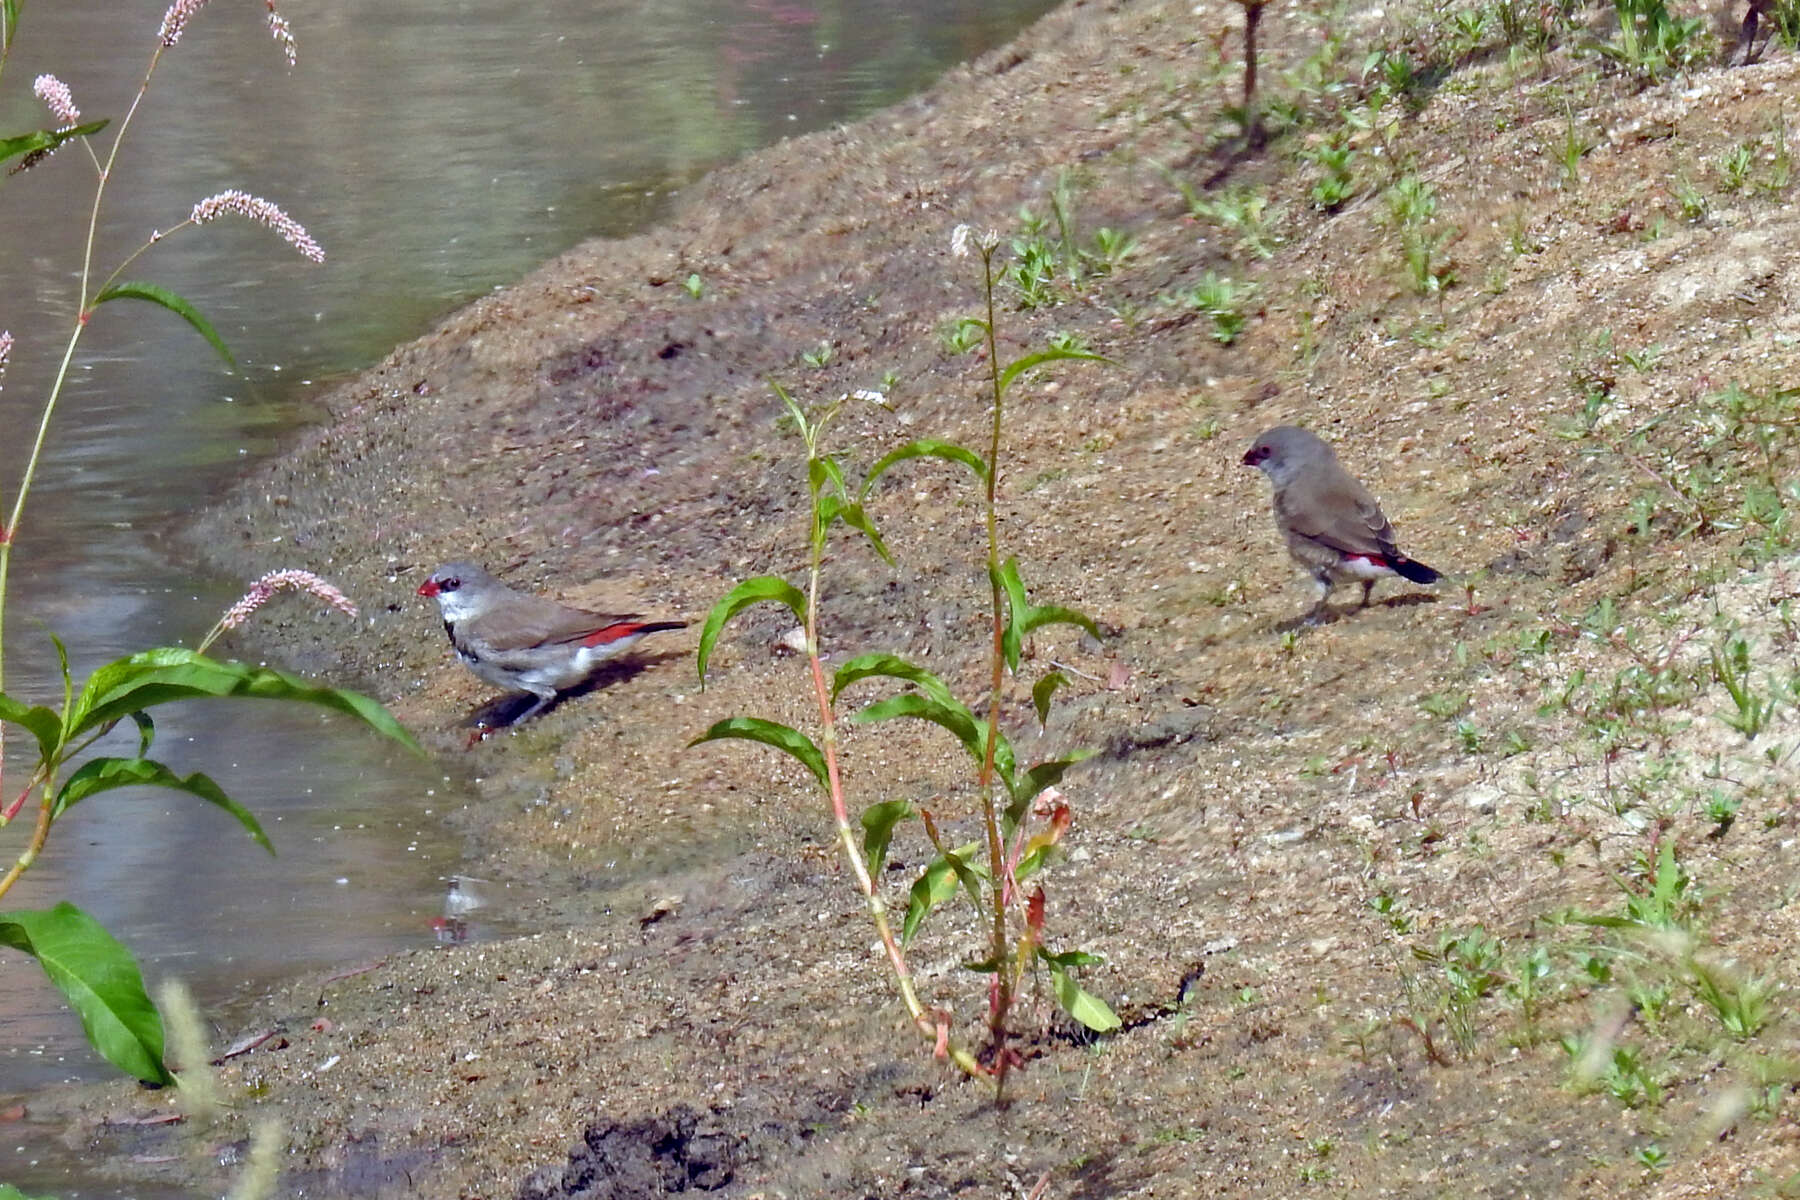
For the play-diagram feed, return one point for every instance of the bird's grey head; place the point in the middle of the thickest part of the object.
(457, 588)
(1284, 451)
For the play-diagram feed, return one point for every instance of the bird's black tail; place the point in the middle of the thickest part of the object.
(1418, 572)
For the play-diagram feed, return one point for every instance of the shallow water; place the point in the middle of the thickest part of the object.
(435, 150)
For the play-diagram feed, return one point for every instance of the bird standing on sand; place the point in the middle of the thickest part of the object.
(1333, 526)
(518, 640)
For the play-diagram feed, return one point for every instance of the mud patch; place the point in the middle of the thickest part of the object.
(679, 1153)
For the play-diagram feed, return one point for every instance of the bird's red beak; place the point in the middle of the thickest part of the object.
(428, 588)
(1252, 456)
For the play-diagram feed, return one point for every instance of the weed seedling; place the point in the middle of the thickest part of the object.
(1222, 301)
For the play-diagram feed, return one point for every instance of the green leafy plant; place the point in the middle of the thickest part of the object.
(86, 963)
(1021, 818)
(1571, 148)
(1741, 1005)
(1652, 42)
(1690, 201)
(1526, 24)
(1112, 248)
(1222, 300)
(1412, 206)
(1244, 212)
(1033, 271)
(1734, 167)
(1337, 181)
(1471, 971)
(1751, 709)
(1042, 254)
(961, 336)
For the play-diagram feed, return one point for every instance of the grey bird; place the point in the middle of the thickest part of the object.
(1334, 528)
(518, 640)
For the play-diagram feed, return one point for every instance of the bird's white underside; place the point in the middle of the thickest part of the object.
(1362, 568)
(560, 669)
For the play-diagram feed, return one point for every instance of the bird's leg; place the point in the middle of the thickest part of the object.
(1319, 611)
(1368, 586)
(543, 701)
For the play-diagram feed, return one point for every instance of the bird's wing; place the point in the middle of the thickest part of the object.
(534, 621)
(1335, 510)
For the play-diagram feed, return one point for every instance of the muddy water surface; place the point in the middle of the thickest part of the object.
(435, 151)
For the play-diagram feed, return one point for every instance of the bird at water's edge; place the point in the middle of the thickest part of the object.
(1333, 527)
(517, 640)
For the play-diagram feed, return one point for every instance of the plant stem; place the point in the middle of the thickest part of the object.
(1002, 997)
(9, 532)
(40, 832)
(926, 1022)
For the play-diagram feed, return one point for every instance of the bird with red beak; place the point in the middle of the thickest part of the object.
(517, 640)
(1333, 527)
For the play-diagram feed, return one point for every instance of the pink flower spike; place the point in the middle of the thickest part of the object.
(263, 213)
(56, 96)
(291, 579)
(282, 32)
(5, 353)
(176, 19)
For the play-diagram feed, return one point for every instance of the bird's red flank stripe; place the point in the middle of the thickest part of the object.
(612, 633)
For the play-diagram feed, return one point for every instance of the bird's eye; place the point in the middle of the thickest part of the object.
(450, 585)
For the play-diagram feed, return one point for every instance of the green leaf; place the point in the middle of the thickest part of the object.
(9, 1192)
(146, 731)
(1041, 692)
(769, 733)
(134, 290)
(763, 587)
(1047, 775)
(42, 723)
(45, 139)
(878, 821)
(1070, 958)
(1034, 861)
(935, 884)
(62, 666)
(865, 666)
(836, 508)
(153, 677)
(951, 715)
(1083, 1005)
(101, 982)
(104, 774)
(1032, 784)
(1019, 366)
(956, 859)
(795, 411)
(854, 516)
(926, 448)
(966, 875)
(822, 468)
(1023, 616)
